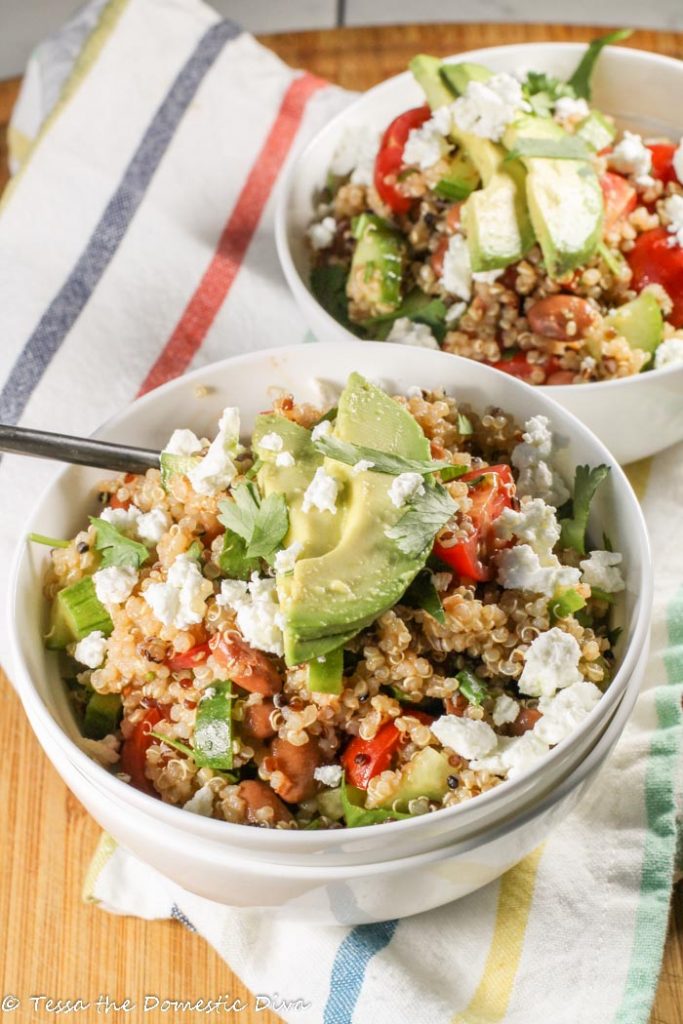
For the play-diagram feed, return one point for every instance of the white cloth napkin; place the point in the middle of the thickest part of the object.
(137, 241)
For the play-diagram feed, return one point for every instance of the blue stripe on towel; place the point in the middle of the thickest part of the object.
(349, 967)
(70, 300)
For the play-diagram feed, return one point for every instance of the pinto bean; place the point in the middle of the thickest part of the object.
(524, 721)
(564, 317)
(438, 256)
(256, 721)
(456, 705)
(257, 795)
(560, 377)
(297, 764)
(248, 668)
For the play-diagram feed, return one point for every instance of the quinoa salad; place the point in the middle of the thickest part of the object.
(509, 221)
(360, 614)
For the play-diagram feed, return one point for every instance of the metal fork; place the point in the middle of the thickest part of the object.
(82, 451)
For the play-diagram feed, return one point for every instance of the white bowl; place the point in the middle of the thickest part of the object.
(634, 417)
(249, 381)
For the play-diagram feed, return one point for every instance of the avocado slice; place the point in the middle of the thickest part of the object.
(376, 265)
(461, 179)
(102, 715)
(76, 612)
(495, 217)
(639, 321)
(328, 598)
(596, 130)
(564, 196)
(425, 775)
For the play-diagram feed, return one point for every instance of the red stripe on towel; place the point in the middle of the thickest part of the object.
(221, 272)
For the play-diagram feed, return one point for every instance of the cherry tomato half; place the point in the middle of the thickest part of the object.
(363, 759)
(662, 161)
(492, 490)
(134, 750)
(189, 659)
(389, 159)
(519, 366)
(654, 260)
(619, 197)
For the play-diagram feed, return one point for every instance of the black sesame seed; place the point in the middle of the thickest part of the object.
(82, 547)
(452, 782)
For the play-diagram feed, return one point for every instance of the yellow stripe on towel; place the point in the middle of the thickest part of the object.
(516, 888)
(638, 474)
(105, 849)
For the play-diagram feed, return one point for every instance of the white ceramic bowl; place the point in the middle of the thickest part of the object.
(634, 417)
(249, 382)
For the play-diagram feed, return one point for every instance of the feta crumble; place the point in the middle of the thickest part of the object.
(258, 614)
(151, 526)
(669, 352)
(105, 751)
(534, 524)
(456, 276)
(183, 442)
(284, 460)
(601, 570)
(404, 487)
(487, 108)
(521, 568)
(321, 235)
(90, 651)
(125, 520)
(285, 559)
(631, 156)
(321, 493)
(513, 755)
(217, 469)
(505, 710)
(551, 663)
(271, 443)
(361, 466)
(181, 600)
(115, 584)
(405, 332)
(329, 774)
(569, 109)
(532, 457)
(465, 736)
(322, 429)
(564, 711)
(673, 211)
(201, 802)
(355, 155)
(426, 145)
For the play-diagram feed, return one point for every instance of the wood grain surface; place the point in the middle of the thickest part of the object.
(53, 943)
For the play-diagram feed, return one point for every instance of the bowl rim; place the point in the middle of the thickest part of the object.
(298, 285)
(301, 839)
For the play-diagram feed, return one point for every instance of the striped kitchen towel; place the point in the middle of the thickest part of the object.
(136, 241)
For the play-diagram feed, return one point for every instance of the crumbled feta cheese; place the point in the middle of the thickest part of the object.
(456, 276)
(181, 600)
(414, 391)
(669, 352)
(115, 584)
(321, 235)
(531, 457)
(355, 155)
(521, 568)
(569, 109)
(285, 559)
(217, 469)
(183, 442)
(201, 802)
(513, 755)
(405, 332)
(321, 493)
(153, 525)
(550, 663)
(534, 524)
(426, 145)
(505, 710)
(488, 107)
(678, 161)
(404, 487)
(361, 466)
(125, 520)
(673, 211)
(271, 443)
(329, 774)
(91, 649)
(465, 736)
(104, 751)
(283, 460)
(563, 712)
(322, 429)
(601, 570)
(454, 312)
(631, 156)
(258, 614)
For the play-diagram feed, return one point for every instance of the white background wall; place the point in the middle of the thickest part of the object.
(23, 23)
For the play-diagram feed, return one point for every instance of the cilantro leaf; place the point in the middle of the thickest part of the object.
(586, 483)
(580, 81)
(328, 284)
(116, 548)
(233, 559)
(472, 687)
(355, 814)
(262, 525)
(424, 516)
(569, 147)
(423, 594)
(565, 604)
(417, 307)
(542, 91)
(383, 462)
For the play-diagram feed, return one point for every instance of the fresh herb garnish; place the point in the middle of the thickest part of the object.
(472, 687)
(453, 190)
(602, 595)
(542, 91)
(328, 284)
(580, 81)
(50, 542)
(569, 147)
(452, 472)
(355, 814)
(423, 594)
(382, 462)
(170, 742)
(116, 548)
(465, 427)
(565, 604)
(195, 550)
(213, 727)
(424, 516)
(612, 258)
(586, 483)
(262, 524)
(253, 469)
(233, 559)
(417, 307)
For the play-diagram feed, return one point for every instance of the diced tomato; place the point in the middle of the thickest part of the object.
(363, 759)
(493, 491)
(389, 160)
(438, 256)
(619, 197)
(662, 161)
(519, 366)
(654, 261)
(115, 502)
(134, 750)
(189, 659)
(453, 217)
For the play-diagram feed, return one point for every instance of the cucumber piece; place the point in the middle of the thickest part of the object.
(76, 612)
(213, 727)
(426, 775)
(171, 465)
(102, 715)
(596, 130)
(461, 179)
(325, 674)
(639, 321)
(378, 260)
(330, 804)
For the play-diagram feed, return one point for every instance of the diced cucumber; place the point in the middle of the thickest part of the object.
(461, 179)
(378, 257)
(640, 322)
(213, 727)
(76, 612)
(325, 674)
(596, 130)
(426, 775)
(171, 465)
(102, 715)
(330, 804)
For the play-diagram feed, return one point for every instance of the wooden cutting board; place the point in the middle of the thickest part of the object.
(56, 945)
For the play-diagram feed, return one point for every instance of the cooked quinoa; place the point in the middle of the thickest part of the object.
(483, 674)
